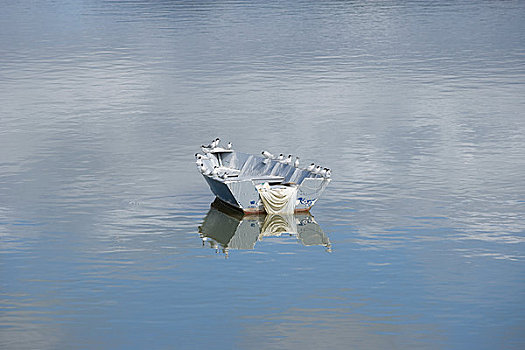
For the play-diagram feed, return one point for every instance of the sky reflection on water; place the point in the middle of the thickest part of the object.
(417, 108)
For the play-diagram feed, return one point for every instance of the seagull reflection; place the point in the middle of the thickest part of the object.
(233, 230)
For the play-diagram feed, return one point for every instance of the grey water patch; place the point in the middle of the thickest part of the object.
(416, 107)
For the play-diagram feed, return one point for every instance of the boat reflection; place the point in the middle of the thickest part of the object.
(224, 228)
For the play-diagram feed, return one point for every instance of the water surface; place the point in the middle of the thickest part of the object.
(417, 107)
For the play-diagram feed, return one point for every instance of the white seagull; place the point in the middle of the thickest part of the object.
(215, 142)
(229, 145)
(288, 160)
(267, 154)
(296, 163)
(311, 167)
(328, 173)
(210, 145)
(204, 170)
(280, 158)
(317, 169)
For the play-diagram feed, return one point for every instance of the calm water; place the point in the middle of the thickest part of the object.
(417, 106)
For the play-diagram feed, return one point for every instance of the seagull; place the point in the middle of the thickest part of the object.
(311, 167)
(328, 173)
(317, 169)
(288, 160)
(208, 145)
(280, 158)
(322, 172)
(267, 154)
(229, 145)
(204, 170)
(296, 163)
(215, 142)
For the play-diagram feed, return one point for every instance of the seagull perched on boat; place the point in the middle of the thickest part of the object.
(296, 163)
(317, 169)
(280, 158)
(267, 154)
(229, 145)
(322, 172)
(213, 144)
(204, 170)
(328, 173)
(288, 160)
(311, 167)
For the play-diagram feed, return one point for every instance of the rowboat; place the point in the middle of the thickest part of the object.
(265, 183)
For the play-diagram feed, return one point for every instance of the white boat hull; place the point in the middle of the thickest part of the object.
(240, 190)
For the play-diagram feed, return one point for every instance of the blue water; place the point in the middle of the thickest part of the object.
(416, 106)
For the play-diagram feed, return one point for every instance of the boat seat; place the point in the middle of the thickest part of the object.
(229, 171)
(267, 178)
(259, 179)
